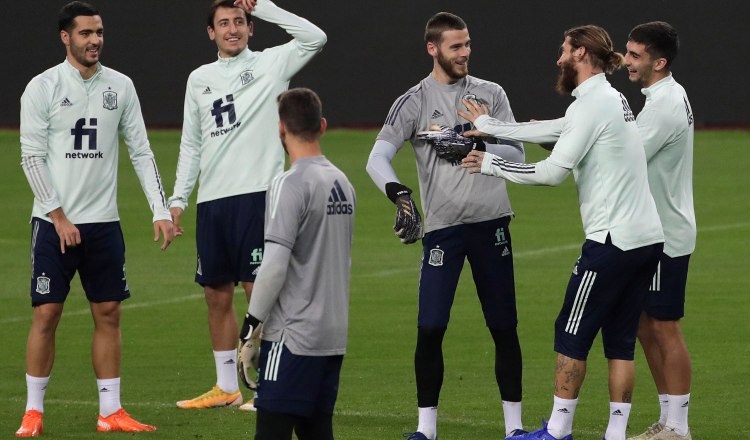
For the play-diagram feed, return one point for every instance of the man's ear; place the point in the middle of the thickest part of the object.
(211, 33)
(65, 38)
(432, 49)
(323, 126)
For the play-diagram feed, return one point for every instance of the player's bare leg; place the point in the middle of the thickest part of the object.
(222, 325)
(569, 376)
(40, 346)
(621, 381)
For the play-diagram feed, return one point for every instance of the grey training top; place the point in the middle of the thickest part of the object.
(449, 195)
(310, 210)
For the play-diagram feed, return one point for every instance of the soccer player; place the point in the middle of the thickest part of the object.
(666, 127)
(71, 116)
(465, 217)
(228, 139)
(302, 289)
(599, 142)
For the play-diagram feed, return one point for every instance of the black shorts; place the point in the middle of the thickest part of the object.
(229, 237)
(487, 246)
(665, 299)
(606, 292)
(299, 385)
(99, 261)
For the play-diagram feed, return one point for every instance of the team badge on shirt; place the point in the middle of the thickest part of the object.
(246, 76)
(42, 285)
(436, 257)
(109, 100)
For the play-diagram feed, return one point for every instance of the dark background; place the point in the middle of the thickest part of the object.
(375, 51)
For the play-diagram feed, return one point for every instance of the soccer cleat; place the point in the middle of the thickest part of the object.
(31, 424)
(121, 421)
(248, 406)
(212, 399)
(415, 436)
(670, 434)
(516, 433)
(650, 433)
(541, 434)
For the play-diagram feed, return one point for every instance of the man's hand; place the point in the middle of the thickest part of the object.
(176, 214)
(475, 110)
(408, 224)
(248, 350)
(69, 234)
(246, 5)
(473, 162)
(164, 228)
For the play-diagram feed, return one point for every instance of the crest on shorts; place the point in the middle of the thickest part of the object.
(109, 100)
(42, 285)
(436, 257)
(246, 76)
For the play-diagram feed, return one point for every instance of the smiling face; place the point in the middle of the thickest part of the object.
(642, 67)
(451, 55)
(84, 42)
(231, 31)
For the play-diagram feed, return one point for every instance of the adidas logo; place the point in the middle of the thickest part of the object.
(207, 91)
(436, 114)
(506, 252)
(563, 410)
(104, 390)
(617, 412)
(229, 362)
(337, 201)
(66, 103)
(255, 272)
(685, 405)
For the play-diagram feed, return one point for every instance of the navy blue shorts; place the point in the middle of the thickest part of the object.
(298, 385)
(665, 299)
(229, 237)
(487, 246)
(605, 291)
(99, 261)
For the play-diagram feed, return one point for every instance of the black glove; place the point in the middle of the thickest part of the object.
(448, 144)
(248, 351)
(408, 225)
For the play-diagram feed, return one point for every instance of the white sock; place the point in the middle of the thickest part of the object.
(678, 413)
(35, 389)
(226, 370)
(428, 422)
(561, 421)
(109, 396)
(664, 406)
(618, 420)
(512, 414)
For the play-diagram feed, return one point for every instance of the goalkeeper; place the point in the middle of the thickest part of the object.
(465, 216)
(302, 289)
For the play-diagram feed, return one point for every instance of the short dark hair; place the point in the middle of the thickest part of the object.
(301, 112)
(216, 4)
(598, 46)
(67, 15)
(659, 37)
(439, 23)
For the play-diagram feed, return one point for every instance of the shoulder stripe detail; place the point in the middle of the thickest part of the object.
(391, 119)
(278, 182)
(512, 167)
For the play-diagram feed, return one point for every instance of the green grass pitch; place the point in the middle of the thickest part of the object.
(167, 354)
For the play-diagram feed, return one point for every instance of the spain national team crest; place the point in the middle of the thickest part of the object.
(42, 285)
(436, 257)
(110, 100)
(246, 76)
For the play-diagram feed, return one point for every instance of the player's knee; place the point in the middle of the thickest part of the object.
(47, 316)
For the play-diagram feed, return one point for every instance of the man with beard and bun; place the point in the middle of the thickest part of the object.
(599, 141)
(71, 118)
(229, 142)
(666, 126)
(465, 217)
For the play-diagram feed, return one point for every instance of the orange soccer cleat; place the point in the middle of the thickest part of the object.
(31, 425)
(121, 421)
(214, 398)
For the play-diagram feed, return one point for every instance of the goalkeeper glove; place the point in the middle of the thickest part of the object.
(249, 351)
(448, 144)
(408, 224)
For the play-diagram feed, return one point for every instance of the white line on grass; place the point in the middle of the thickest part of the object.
(125, 306)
